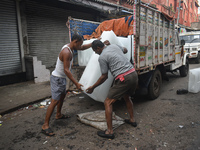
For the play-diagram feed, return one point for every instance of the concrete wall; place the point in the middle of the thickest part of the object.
(195, 25)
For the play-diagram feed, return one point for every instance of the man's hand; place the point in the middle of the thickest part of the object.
(125, 50)
(101, 79)
(78, 86)
(99, 38)
(106, 42)
(90, 90)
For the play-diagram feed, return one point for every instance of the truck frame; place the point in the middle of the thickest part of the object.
(155, 47)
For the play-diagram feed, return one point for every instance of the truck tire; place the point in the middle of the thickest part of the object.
(184, 69)
(155, 85)
(197, 60)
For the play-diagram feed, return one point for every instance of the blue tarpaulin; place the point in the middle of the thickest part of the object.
(82, 28)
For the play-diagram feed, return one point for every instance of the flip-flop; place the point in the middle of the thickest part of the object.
(134, 124)
(47, 132)
(104, 135)
(63, 117)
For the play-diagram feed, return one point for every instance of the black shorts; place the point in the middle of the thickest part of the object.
(126, 87)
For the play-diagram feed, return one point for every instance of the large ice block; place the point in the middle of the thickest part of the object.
(92, 71)
(84, 56)
(126, 42)
(90, 75)
(194, 80)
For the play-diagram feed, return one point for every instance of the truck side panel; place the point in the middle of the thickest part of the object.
(156, 39)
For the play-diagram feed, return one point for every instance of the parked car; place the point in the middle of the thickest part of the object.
(192, 44)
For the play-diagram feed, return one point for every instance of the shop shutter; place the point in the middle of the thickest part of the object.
(47, 30)
(10, 61)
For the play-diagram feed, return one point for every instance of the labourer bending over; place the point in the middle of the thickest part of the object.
(112, 58)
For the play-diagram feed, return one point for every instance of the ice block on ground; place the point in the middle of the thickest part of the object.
(194, 80)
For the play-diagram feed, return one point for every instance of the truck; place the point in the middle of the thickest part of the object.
(192, 44)
(155, 45)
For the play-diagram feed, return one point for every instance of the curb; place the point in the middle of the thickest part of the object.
(22, 105)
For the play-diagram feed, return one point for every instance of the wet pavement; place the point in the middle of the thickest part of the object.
(22, 94)
(171, 122)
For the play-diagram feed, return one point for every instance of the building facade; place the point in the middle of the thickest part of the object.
(188, 12)
(32, 33)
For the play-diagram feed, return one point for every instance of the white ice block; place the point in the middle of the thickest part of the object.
(90, 75)
(92, 71)
(84, 56)
(111, 37)
(194, 80)
(126, 42)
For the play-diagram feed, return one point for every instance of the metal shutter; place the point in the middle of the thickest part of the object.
(10, 62)
(47, 31)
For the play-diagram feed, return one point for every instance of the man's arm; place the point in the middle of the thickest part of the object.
(66, 62)
(85, 46)
(101, 80)
(124, 49)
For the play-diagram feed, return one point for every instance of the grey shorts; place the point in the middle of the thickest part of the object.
(121, 88)
(58, 87)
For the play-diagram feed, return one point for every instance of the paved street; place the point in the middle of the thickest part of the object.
(171, 122)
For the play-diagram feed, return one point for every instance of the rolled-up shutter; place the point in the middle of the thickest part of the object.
(10, 61)
(47, 30)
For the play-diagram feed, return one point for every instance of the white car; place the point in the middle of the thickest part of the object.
(193, 48)
(192, 45)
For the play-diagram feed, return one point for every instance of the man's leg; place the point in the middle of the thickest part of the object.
(59, 106)
(108, 103)
(49, 113)
(129, 105)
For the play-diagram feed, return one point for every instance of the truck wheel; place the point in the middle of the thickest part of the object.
(155, 85)
(184, 69)
(197, 60)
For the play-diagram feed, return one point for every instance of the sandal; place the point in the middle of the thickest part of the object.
(47, 132)
(63, 117)
(104, 135)
(134, 124)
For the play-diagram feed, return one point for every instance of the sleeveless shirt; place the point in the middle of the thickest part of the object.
(59, 70)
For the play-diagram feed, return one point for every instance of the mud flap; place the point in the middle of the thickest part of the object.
(143, 84)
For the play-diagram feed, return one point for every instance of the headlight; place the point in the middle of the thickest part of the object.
(194, 49)
(187, 49)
